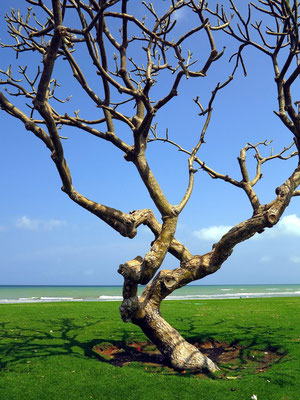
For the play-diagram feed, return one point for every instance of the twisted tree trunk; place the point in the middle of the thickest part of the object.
(178, 353)
(145, 311)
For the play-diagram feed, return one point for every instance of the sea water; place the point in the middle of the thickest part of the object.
(36, 294)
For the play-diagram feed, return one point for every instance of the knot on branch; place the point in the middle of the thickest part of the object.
(62, 30)
(175, 211)
(131, 269)
(54, 156)
(65, 36)
(129, 309)
(282, 190)
(29, 125)
(129, 229)
(169, 282)
(130, 156)
(272, 217)
(38, 104)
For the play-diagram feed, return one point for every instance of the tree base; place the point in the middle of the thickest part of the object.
(177, 352)
(187, 357)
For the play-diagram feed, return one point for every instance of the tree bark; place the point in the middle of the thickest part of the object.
(178, 353)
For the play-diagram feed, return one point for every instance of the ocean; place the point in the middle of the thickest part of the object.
(38, 294)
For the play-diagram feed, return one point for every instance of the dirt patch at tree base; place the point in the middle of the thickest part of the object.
(232, 359)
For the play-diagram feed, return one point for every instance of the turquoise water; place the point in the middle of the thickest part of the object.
(35, 294)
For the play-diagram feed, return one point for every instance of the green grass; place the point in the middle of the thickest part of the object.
(46, 351)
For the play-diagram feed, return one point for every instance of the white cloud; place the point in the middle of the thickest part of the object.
(295, 259)
(52, 224)
(37, 224)
(180, 14)
(2, 228)
(289, 225)
(212, 233)
(26, 223)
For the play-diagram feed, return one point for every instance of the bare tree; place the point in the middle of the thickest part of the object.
(128, 53)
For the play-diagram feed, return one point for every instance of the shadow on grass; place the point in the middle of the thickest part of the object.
(263, 336)
(61, 336)
(65, 336)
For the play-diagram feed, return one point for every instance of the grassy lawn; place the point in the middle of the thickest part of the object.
(46, 351)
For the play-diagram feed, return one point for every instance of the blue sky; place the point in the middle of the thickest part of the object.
(47, 239)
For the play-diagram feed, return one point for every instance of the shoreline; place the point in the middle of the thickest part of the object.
(46, 294)
(119, 298)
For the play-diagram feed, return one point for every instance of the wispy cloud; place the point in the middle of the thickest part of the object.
(38, 224)
(265, 259)
(212, 232)
(295, 259)
(2, 228)
(179, 14)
